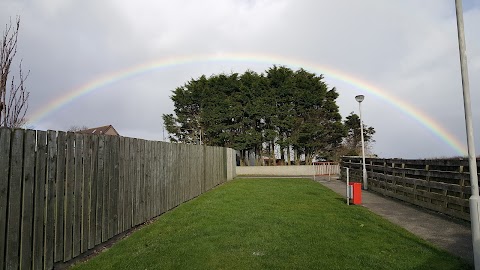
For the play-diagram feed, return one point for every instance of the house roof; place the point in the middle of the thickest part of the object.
(99, 130)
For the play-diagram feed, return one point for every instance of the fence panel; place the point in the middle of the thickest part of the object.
(62, 194)
(439, 185)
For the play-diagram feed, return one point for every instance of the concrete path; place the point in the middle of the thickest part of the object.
(447, 233)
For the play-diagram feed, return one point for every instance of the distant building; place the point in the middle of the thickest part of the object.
(104, 130)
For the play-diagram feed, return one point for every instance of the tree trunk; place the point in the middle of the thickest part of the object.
(288, 155)
(282, 155)
(272, 153)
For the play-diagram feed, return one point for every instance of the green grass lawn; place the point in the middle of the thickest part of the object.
(272, 224)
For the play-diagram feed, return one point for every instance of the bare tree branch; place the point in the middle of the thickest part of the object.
(14, 103)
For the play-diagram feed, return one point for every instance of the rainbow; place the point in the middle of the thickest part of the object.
(122, 74)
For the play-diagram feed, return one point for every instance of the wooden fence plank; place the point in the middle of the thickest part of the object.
(50, 199)
(199, 170)
(157, 195)
(69, 197)
(181, 172)
(188, 171)
(60, 196)
(161, 178)
(5, 139)
(106, 190)
(14, 201)
(114, 186)
(121, 187)
(157, 178)
(110, 187)
(131, 181)
(158, 169)
(142, 182)
(77, 224)
(193, 171)
(166, 164)
(141, 179)
(93, 192)
(138, 163)
(39, 205)
(148, 180)
(154, 180)
(163, 201)
(171, 177)
(27, 200)
(86, 191)
(127, 186)
(99, 225)
(176, 176)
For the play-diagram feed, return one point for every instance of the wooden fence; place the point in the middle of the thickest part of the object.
(62, 194)
(441, 185)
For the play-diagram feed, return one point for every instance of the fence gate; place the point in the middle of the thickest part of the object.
(326, 168)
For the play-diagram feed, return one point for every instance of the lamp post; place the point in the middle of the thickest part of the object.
(359, 99)
(472, 161)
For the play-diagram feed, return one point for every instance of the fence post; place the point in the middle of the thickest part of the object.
(348, 185)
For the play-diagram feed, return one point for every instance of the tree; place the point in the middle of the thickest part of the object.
(186, 126)
(318, 129)
(353, 142)
(76, 128)
(282, 110)
(13, 103)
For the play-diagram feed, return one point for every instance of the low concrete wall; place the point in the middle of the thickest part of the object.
(301, 170)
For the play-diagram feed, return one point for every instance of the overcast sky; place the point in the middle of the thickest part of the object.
(406, 49)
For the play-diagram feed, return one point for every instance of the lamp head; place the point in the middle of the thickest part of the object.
(359, 98)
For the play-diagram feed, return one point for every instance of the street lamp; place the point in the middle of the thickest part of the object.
(359, 99)
(472, 161)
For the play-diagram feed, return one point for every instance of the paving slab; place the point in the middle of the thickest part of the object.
(450, 234)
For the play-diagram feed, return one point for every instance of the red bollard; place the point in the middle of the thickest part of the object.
(356, 189)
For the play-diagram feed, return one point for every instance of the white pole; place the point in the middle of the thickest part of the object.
(365, 184)
(472, 161)
(348, 186)
(329, 169)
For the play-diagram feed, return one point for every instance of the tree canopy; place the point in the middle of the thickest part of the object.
(279, 113)
(353, 142)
